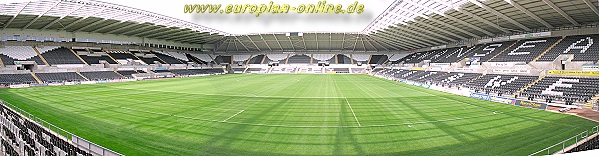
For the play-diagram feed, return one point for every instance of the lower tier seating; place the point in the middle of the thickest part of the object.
(101, 75)
(59, 77)
(9, 79)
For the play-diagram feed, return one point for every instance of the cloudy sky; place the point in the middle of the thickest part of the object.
(248, 23)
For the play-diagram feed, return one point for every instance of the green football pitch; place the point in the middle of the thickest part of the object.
(292, 115)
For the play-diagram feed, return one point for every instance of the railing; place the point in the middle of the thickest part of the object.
(63, 134)
(568, 142)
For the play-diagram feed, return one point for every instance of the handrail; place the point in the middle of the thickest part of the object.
(584, 135)
(52, 128)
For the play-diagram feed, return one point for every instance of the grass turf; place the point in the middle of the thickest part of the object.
(291, 115)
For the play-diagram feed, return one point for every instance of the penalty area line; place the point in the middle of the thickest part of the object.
(352, 111)
(233, 115)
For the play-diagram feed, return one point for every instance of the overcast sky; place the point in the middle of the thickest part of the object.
(247, 23)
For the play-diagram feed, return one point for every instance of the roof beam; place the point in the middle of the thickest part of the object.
(253, 42)
(61, 17)
(432, 39)
(537, 18)
(394, 39)
(401, 39)
(162, 33)
(561, 12)
(441, 30)
(137, 29)
(449, 17)
(149, 32)
(500, 14)
(179, 35)
(454, 27)
(117, 23)
(394, 45)
(40, 15)
(592, 6)
(100, 21)
(83, 18)
(15, 16)
(268, 46)
(275, 36)
(121, 28)
(483, 20)
(376, 41)
(245, 47)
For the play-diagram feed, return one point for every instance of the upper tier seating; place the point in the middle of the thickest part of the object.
(453, 55)
(359, 58)
(203, 57)
(240, 59)
(488, 51)
(256, 59)
(276, 57)
(59, 77)
(195, 59)
(8, 79)
(525, 50)
(101, 75)
(147, 57)
(322, 57)
(94, 56)
(220, 59)
(582, 47)
(167, 58)
(61, 56)
(378, 59)
(299, 59)
(568, 89)
(343, 59)
(501, 84)
(19, 53)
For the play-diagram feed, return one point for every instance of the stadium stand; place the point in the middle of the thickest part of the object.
(360, 58)
(20, 53)
(59, 77)
(566, 89)
(590, 144)
(583, 48)
(489, 51)
(194, 59)
(60, 56)
(9, 79)
(501, 84)
(276, 57)
(101, 75)
(240, 59)
(454, 54)
(34, 138)
(525, 50)
(220, 59)
(299, 59)
(257, 59)
(343, 59)
(93, 56)
(322, 57)
(129, 73)
(378, 59)
(147, 57)
(167, 58)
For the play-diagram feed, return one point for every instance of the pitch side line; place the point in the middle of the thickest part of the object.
(352, 111)
(233, 115)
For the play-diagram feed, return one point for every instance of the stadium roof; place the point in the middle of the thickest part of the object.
(404, 25)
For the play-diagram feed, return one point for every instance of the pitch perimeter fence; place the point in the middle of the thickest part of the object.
(70, 138)
(569, 143)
